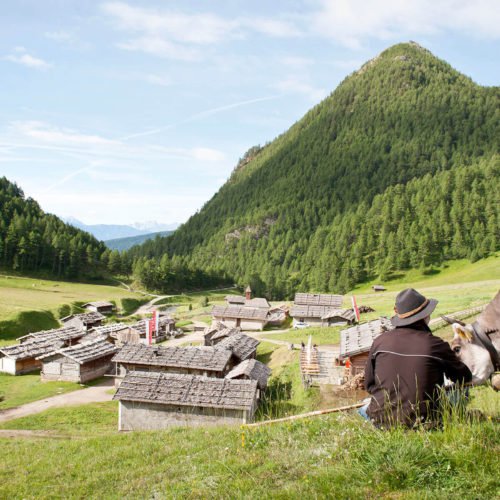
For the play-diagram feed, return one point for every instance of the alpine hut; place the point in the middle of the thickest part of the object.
(152, 401)
(84, 321)
(22, 358)
(355, 343)
(251, 369)
(319, 309)
(240, 345)
(207, 361)
(79, 363)
(247, 318)
(100, 306)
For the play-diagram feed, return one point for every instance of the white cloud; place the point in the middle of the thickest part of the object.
(353, 22)
(160, 47)
(27, 60)
(190, 28)
(57, 135)
(297, 86)
(296, 62)
(173, 34)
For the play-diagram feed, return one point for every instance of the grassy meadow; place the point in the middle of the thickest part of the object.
(32, 304)
(333, 456)
(21, 389)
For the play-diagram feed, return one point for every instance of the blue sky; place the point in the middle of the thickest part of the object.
(122, 112)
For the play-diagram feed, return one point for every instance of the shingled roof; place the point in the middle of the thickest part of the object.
(66, 333)
(31, 349)
(86, 318)
(225, 332)
(347, 314)
(241, 345)
(253, 369)
(187, 390)
(99, 303)
(240, 312)
(235, 299)
(85, 352)
(304, 311)
(201, 358)
(359, 338)
(318, 299)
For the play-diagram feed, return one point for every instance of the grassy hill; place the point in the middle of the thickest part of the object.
(32, 304)
(394, 170)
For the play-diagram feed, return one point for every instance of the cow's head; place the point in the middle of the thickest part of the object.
(472, 353)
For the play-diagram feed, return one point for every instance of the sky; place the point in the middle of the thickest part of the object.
(119, 112)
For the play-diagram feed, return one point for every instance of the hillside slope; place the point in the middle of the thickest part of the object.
(373, 178)
(32, 240)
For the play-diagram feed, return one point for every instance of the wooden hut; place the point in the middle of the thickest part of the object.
(355, 343)
(207, 361)
(214, 336)
(378, 288)
(241, 346)
(100, 306)
(251, 369)
(84, 321)
(22, 358)
(247, 318)
(153, 401)
(314, 308)
(339, 317)
(79, 363)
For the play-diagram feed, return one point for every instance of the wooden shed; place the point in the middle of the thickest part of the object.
(207, 361)
(214, 336)
(355, 343)
(251, 369)
(100, 306)
(153, 401)
(247, 318)
(241, 346)
(84, 321)
(79, 363)
(22, 358)
(378, 288)
(315, 309)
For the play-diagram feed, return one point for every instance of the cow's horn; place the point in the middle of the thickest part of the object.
(451, 320)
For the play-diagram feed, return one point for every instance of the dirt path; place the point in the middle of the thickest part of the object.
(96, 394)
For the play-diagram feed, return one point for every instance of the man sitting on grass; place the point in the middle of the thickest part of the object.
(406, 366)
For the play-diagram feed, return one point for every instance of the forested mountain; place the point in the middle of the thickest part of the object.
(122, 244)
(395, 169)
(31, 240)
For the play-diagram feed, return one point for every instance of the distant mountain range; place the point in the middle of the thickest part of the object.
(126, 243)
(106, 232)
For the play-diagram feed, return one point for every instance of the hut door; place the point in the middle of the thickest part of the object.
(238, 322)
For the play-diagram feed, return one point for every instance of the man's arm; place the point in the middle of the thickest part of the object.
(370, 373)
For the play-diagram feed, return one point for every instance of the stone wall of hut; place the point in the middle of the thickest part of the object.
(134, 416)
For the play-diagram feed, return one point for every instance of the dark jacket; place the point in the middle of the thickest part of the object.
(405, 368)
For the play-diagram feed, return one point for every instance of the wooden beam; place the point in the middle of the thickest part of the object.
(306, 415)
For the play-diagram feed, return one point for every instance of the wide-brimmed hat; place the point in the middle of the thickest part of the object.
(411, 307)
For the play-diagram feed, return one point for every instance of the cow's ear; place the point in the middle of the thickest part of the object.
(462, 332)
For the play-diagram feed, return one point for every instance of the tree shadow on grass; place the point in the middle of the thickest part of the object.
(27, 322)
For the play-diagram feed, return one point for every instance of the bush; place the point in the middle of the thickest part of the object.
(130, 305)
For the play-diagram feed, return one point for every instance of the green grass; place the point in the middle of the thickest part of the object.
(320, 336)
(93, 419)
(33, 304)
(22, 389)
(131, 304)
(335, 456)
